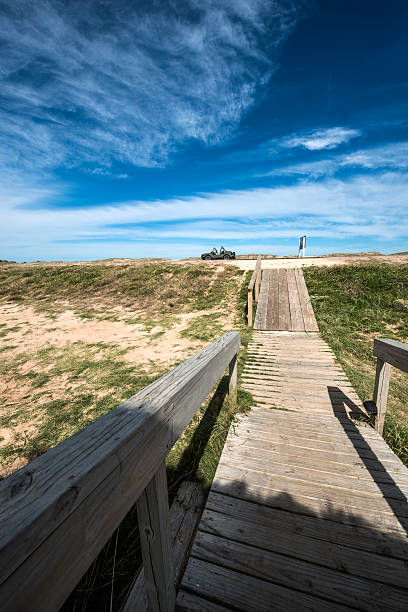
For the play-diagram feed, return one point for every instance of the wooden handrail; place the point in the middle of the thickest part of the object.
(58, 511)
(388, 353)
(254, 283)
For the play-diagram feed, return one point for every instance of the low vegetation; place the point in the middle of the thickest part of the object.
(157, 288)
(54, 384)
(354, 305)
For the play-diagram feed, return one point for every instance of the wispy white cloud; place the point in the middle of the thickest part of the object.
(90, 83)
(392, 156)
(287, 146)
(317, 140)
(371, 207)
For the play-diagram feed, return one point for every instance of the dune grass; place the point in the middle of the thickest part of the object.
(99, 378)
(353, 305)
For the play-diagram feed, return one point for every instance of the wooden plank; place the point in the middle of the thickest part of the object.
(296, 316)
(184, 515)
(232, 382)
(155, 537)
(272, 320)
(248, 593)
(99, 472)
(260, 317)
(331, 529)
(393, 352)
(296, 394)
(308, 501)
(284, 311)
(307, 310)
(359, 448)
(273, 538)
(275, 485)
(388, 462)
(316, 473)
(373, 472)
(298, 575)
(187, 602)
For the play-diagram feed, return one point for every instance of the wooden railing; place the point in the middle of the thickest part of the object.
(58, 511)
(388, 353)
(254, 285)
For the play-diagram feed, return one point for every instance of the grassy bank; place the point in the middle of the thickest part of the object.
(155, 289)
(194, 457)
(354, 305)
(63, 385)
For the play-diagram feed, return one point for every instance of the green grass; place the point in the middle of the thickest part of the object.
(194, 457)
(354, 305)
(205, 328)
(161, 288)
(96, 377)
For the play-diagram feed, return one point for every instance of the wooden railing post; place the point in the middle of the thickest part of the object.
(382, 381)
(232, 389)
(258, 278)
(254, 283)
(249, 307)
(155, 536)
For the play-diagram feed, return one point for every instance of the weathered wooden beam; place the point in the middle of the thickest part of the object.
(155, 537)
(185, 512)
(253, 283)
(382, 381)
(250, 314)
(233, 373)
(57, 513)
(393, 352)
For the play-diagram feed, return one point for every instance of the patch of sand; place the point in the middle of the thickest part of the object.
(36, 331)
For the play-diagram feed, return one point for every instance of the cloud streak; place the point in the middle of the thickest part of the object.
(366, 207)
(92, 83)
(317, 140)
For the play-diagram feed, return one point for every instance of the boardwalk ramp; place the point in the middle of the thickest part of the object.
(284, 302)
(308, 508)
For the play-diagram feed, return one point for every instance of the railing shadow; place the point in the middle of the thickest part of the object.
(275, 552)
(365, 452)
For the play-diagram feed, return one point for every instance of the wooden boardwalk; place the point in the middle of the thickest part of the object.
(308, 509)
(284, 302)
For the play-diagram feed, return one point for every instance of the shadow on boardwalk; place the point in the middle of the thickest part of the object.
(256, 551)
(367, 454)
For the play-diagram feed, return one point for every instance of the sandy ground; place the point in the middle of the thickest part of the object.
(149, 350)
(36, 331)
(244, 264)
(303, 262)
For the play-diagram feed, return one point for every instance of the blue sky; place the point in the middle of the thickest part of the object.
(163, 128)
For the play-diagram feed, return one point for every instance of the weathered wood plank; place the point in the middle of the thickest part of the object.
(308, 548)
(362, 537)
(299, 575)
(272, 320)
(393, 352)
(99, 472)
(257, 486)
(250, 594)
(155, 537)
(381, 385)
(260, 317)
(187, 602)
(296, 316)
(307, 310)
(305, 502)
(317, 474)
(284, 310)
